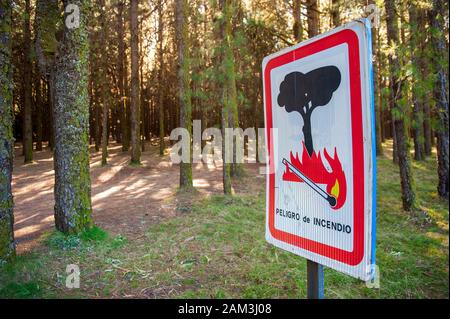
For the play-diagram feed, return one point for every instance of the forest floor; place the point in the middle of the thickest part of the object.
(154, 242)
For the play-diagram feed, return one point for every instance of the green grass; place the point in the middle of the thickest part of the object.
(218, 250)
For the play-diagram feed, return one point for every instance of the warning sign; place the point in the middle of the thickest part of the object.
(319, 117)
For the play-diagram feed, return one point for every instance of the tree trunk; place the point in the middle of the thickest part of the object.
(427, 119)
(27, 87)
(313, 18)
(142, 89)
(51, 110)
(121, 60)
(98, 136)
(72, 179)
(225, 112)
(38, 109)
(408, 196)
(104, 83)
(440, 93)
(377, 84)
(230, 81)
(298, 26)
(335, 16)
(416, 82)
(162, 145)
(181, 14)
(7, 247)
(135, 95)
(47, 15)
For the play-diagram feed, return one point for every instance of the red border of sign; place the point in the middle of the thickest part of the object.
(351, 39)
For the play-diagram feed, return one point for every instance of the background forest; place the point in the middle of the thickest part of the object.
(103, 99)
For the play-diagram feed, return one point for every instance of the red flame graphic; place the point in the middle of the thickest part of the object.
(313, 167)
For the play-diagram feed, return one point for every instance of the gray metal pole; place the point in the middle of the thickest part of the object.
(315, 280)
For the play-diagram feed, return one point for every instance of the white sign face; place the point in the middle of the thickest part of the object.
(319, 115)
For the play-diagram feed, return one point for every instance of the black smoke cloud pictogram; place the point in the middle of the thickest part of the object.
(304, 92)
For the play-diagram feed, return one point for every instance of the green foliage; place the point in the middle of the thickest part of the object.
(59, 240)
(21, 290)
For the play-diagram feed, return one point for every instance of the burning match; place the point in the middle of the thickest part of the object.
(329, 198)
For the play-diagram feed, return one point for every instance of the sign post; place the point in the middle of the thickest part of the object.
(315, 280)
(320, 133)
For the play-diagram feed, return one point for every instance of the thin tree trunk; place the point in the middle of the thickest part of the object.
(51, 109)
(45, 28)
(7, 247)
(377, 69)
(313, 17)
(440, 92)
(142, 89)
(97, 127)
(298, 26)
(335, 16)
(162, 145)
(408, 195)
(181, 15)
(27, 88)
(135, 96)
(416, 82)
(73, 207)
(394, 138)
(104, 84)
(230, 82)
(38, 109)
(122, 76)
(225, 113)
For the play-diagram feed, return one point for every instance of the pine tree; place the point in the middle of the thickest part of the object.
(38, 109)
(406, 179)
(104, 83)
(160, 78)
(313, 17)
(27, 87)
(7, 247)
(414, 42)
(72, 177)
(441, 96)
(335, 15)
(45, 27)
(135, 88)
(122, 77)
(377, 87)
(298, 26)
(182, 31)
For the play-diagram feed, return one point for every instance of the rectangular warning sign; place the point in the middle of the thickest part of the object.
(319, 115)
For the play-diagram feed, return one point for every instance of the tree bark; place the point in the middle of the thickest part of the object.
(408, 195)
(7, 246)
(142, 88)
(104, 83)
(225, 112)
(135, 95)
(181, 15)
(377, 85)
(122, 77)
(335, 16)
(27, 87)
(38, 109)
(440, 92)
(298, 26)
(72, 178)
(416, 83)
(162, 145)
(313, 17)
(47, 16)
